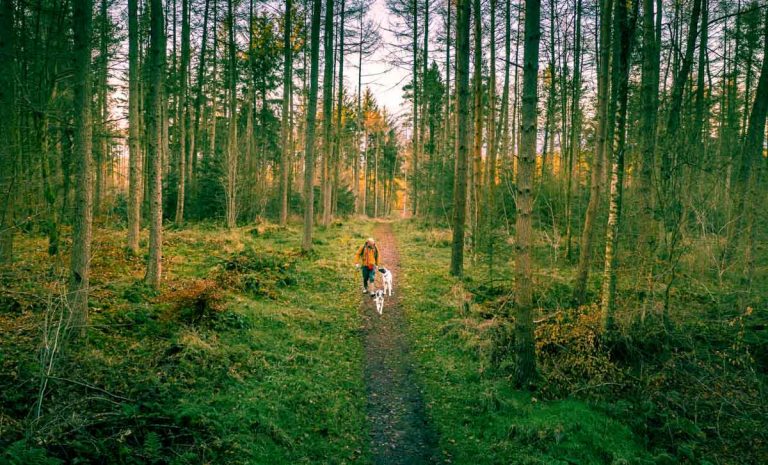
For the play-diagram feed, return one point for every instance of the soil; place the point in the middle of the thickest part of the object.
(399, 429)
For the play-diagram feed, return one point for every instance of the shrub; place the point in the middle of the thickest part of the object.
(198, 301)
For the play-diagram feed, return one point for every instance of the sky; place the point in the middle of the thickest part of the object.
(386, 82)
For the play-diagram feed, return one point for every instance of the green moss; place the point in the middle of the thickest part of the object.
(480, 418)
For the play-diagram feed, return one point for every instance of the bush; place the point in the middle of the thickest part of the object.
(196, 302)
(258, 273)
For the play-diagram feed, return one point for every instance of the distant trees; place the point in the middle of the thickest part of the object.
(220, 123)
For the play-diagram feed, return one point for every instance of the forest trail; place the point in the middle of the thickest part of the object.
(399, 429)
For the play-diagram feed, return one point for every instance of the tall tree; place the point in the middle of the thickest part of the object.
(182, 114)
(649, 96)
(7, 129)
(525, 348)
(325, 194)
(136, 169)
(287, 131)
(199, 97)
(154, 122)
(231, 159)
(622, 50)
(477, 140)
(752, 158)
(309, 139)
(462, 136)
(574, 147)
(668, 160)
(80, 260)
(587, 233)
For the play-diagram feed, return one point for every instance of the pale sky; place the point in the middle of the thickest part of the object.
(386, 82)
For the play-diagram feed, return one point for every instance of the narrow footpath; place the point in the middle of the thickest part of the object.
(400, 431)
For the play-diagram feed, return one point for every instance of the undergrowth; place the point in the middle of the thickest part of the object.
(247, 354)
(693, 393)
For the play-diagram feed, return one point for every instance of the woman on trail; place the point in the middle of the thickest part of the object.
(368, 256)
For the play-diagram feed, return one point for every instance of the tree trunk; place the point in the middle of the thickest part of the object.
(325, 181)
(585, 252)
(309, 141)
(154, 121)
(574, 148)
(182, 112)
(525, 347)
(504, 124)
(622, 50)
(199, 98)
(103, 115)
(490, 170)
(550, 114)
(7, 129)
(415, 138)
(462, 142)
(232, 149)
(339, 109)
(136, 169)
(287, 131)
(649, 98)
(752, 154)
(668, 161)
(80, 259)
(477, 140)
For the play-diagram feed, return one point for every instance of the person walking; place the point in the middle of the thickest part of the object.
(367, 257)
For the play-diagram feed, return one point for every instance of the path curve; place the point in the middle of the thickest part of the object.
(399, 428)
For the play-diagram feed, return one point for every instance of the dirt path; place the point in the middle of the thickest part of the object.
(400, 432)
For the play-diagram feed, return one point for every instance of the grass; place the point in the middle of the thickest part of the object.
(266, 373)
(480, 418)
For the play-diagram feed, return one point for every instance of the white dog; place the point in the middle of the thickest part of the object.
(378, 297)
(386, 278)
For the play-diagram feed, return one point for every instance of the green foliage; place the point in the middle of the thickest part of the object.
(21, 453)
(689, 393)
(461, 357)
(200, 373)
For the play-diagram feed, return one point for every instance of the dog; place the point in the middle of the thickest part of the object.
(378, 298)
(386, 278)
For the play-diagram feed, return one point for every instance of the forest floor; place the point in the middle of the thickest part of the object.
(400, 431)
(253, 352)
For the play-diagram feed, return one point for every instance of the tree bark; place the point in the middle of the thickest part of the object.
(462, 142)
(415, 138)
(325, 182)
(649, 97)
(232, 149)
(287, 131)
(477, 140)
(182, 112)
(525, 347)
(574, 148)
(136, 168)
(199, 99)
(587, 233)
(752, 154)
(622, 50)
(309, 141)
(80, 260)
(7, 129)
(154, 121)
(339, 107)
